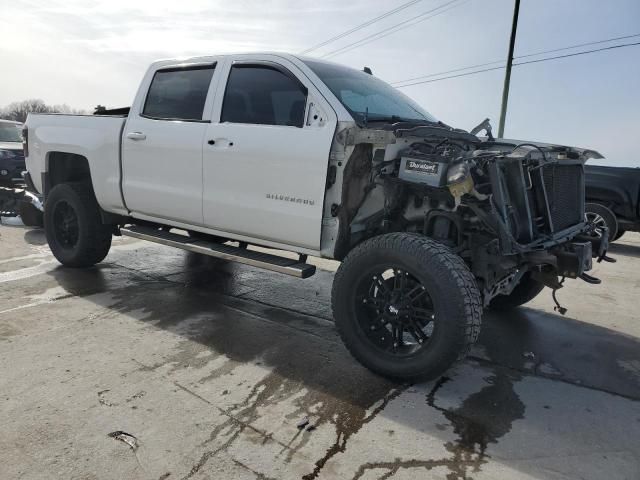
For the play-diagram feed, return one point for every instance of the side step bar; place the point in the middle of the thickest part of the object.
(267, 261)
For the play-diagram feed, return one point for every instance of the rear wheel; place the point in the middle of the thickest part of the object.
(524, 292)
(601, 216)
(73, 226)
(405, 306)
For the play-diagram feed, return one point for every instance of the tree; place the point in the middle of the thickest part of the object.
(18, 111)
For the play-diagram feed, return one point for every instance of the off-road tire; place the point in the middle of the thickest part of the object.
(610, 220)
(30, 215)
(450, 285)
(524, 292)
(93, 238)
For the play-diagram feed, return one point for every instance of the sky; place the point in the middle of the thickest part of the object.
(89, 52)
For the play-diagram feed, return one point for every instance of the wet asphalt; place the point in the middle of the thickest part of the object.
(216, 370)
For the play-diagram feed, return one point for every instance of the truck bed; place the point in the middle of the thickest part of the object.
(91, 136)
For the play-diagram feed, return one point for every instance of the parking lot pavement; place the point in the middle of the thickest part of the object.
(221, 371)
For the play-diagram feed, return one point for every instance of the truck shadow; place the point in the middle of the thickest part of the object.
(241, 316)
(625, 249)
(35, 236)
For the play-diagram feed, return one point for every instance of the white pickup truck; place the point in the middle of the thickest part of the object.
(431, 223)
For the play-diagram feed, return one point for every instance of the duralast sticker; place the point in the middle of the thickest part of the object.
(430, 168)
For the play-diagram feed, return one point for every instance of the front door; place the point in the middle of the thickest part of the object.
(162, 146)
(265, 161)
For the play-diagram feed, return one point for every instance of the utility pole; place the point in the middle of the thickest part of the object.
(507, 74)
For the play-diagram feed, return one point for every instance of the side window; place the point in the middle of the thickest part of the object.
(178, 93)
(263, 95)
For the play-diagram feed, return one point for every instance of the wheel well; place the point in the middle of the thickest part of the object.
(66, 167)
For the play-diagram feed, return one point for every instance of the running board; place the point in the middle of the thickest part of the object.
(275, 263)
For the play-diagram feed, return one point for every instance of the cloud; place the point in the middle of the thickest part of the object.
(85, 52)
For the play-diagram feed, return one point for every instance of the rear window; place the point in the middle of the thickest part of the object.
(178, 94)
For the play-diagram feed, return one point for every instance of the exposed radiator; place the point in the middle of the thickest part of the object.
(565, 193)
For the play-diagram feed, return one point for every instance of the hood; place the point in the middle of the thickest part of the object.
(509, 142)
(11, 146)
(406, 129)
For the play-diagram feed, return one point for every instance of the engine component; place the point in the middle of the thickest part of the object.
(459, 181)
(429, 169)
(575, 259)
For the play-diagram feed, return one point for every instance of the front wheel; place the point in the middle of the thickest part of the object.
(601, 216)
(405, 306)
(73, 226)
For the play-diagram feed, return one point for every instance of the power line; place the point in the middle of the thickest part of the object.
(521, 63)
(361, 26)
(612, 47)
(399, 26)
(451, 71)
(516, 57)
(588, 44)
(451, 76)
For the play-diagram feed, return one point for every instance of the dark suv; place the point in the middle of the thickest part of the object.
(11, 154)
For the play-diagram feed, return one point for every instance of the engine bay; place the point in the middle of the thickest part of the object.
(506, 208)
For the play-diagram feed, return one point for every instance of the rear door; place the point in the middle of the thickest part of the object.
(162, 143)
(265, 160)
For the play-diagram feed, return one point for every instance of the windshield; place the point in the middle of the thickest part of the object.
(10, 132)
(367, 96)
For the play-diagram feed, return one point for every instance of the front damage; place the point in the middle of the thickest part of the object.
(507, 208)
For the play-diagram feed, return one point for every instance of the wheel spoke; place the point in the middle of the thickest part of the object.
(417, 333)
(371, 301)
(399, 280)
(422, 314)
(397, 331)
(380, 282)
(416, 293)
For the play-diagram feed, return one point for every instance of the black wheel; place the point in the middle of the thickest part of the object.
(524, 292)
(30, 215)
(405, 306)
(73, 226)
(601, 216)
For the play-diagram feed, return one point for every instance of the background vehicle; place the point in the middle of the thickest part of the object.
(613, 196)
(430, 222)
(11, 156)
(15, 199)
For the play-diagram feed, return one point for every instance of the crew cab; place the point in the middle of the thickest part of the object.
(431, 223)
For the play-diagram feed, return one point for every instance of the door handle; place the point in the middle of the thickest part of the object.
(220, 142)
(136, 136)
